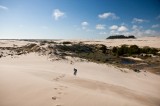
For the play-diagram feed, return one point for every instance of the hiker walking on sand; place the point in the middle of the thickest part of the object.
(75, 71)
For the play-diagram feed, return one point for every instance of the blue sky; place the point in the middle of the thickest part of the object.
(78, 19)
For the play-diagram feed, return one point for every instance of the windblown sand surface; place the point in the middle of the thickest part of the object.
(33, 80)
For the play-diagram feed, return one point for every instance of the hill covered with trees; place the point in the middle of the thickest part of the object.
(121, 37)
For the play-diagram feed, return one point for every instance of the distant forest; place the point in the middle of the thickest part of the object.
(121, 37)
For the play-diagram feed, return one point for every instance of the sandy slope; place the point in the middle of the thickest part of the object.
(32, 80)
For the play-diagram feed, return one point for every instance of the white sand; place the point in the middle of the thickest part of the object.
(11, 43)
(32, 80)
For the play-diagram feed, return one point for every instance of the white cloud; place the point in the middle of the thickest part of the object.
(156, 26)
(135, 27)
(107, 15)
(113, 27)
(122, 29)
(138, 20)
(139, 31)
(84, 23)
(135, 30)
(57, 14)
(100, 26)
(3, 7)
(158, 17)
(103, 33)
(117, 30)
(149, 32)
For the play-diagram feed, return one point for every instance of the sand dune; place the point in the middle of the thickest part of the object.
(36, 80)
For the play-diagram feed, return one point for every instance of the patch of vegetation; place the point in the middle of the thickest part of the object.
(149, 50)
(136, 70)
(101, 54)
(125, 50)
(66, 42)
(75, 48)
(95, 53)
